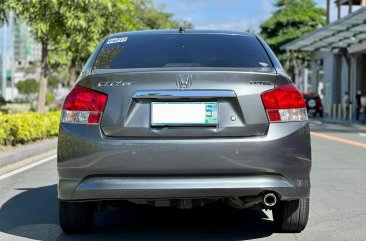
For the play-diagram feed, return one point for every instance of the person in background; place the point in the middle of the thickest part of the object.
(363, 106)
(346, 103)
(358, 104)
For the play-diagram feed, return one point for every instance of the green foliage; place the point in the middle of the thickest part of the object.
(83, 26)
(49, 98)
(27, 127)
(42, 15)
(70, 30)
(4, 128)
(28, 86)
(53, 81)
(47, 23)
(53, 118)
(147, 16)
(293, 19)
(58, 75)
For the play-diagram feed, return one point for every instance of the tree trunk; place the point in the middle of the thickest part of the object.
(41, 106)
(72, 72)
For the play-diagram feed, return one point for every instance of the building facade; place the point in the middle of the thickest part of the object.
(338, 63)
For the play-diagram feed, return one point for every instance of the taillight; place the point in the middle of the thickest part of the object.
(284, 104)
(83, 106)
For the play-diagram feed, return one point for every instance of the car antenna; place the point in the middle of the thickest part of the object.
(182, 30)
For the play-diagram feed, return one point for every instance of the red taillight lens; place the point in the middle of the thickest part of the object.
(284, 104)
(83, 106)
(84, 99)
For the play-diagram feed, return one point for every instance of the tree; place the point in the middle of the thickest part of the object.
(3, 12)
(58, 75)
(45, 19)
(86, 22)
(147, 16)
(291, 20)
(69, 30)
(28, 86)
(99, 18)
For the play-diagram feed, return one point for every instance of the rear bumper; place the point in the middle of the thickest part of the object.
(94, 167)
(103, 188)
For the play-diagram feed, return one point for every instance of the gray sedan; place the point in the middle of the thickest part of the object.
(184, 118)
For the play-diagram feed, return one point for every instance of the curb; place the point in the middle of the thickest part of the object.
(27, 151)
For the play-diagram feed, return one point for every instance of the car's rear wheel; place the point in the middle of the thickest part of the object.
(291, 216)
(76, 217)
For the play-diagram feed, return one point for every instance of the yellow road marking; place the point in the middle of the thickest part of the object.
(333, 138)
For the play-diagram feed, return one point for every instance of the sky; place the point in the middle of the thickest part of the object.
(238, 15)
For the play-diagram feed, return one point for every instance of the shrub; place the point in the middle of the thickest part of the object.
(28, 86)
(27, 127)
(54, 121)
(2, 101)
(4, 129)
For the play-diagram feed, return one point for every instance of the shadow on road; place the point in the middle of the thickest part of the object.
(33, 214)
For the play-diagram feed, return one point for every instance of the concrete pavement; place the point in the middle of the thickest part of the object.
(29, 204)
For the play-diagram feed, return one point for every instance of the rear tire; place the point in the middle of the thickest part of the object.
(76, 217)
(291, 216)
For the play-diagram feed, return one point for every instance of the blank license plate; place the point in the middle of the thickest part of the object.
(184, 113)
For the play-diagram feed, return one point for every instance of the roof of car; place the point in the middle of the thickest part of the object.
(187, 31)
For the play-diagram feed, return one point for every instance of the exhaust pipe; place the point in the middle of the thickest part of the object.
(270, 199)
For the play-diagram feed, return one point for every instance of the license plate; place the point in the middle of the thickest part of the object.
(184, 113)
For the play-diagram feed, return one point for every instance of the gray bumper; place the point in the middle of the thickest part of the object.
(92, 166)
(102, 188)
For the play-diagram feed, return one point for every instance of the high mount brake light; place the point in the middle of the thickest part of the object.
(284, 104)
(83, 106)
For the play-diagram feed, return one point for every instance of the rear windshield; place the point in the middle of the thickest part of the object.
(182, 50)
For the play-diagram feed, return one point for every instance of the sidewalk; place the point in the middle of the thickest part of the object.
(354, 124)
(26, 151)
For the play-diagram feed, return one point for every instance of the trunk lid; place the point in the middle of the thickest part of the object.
(131, 94)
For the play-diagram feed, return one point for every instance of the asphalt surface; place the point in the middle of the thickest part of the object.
(338, 212)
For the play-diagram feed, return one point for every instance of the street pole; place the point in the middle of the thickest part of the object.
(328, 11)
(3, 71)
(350, 4)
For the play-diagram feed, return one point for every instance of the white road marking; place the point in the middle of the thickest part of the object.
(342, 140)
(362, 134)
(22, 169)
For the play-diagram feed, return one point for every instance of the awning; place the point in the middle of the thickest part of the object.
(342, 33)
(346, 2)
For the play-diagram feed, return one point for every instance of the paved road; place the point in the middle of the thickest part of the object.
(338, 210)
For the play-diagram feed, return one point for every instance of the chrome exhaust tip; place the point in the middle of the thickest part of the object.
(270, 199)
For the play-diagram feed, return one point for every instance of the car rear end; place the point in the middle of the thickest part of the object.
(314, 104)
(169, 118)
